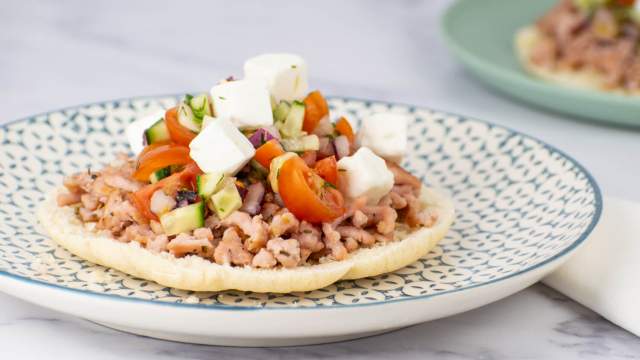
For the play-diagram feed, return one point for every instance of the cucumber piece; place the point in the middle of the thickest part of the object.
(226, 200)
(157, 132)
(187, 119)
(292, 125)
(281, 111)
(183, 219)
(274, 169)
(160, 174)
(209, 184)
(304, 143)
(200, 107)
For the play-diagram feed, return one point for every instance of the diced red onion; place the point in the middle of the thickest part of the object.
(324, 127)
(326, 148)
(253, 198)
(309, 158)
(161, 203)
(278, 200)
(261, 136)
(341, 145)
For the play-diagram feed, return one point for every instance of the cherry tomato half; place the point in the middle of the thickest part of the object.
(159, 157)
(315, 108)
(306, 194)
(178, 133)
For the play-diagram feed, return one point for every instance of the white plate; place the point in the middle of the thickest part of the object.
(522, 208)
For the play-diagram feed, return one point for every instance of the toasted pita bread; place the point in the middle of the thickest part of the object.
(197, 274)
(526, 40)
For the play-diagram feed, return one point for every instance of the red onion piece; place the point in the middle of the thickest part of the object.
(309, 158)
(326, 148)
(324, 127)
(261, 136)
(253, 198)
(341, 145)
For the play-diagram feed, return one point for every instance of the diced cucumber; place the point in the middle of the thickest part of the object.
(200, 107)
(226, 200)
(187, 119)
(209, 184)
(183, 219)
(281, 111)
(304, 143)
(292, 125)
(160, 174)
(157, 132)
(274, 169)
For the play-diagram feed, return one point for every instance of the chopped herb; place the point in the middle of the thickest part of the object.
(187, 98)
(342, 170)
(329, 185)
(294, 66)
(222, 98)
(306, 231)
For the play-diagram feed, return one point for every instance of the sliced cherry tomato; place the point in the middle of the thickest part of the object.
(315, 109)
(306, 194)
(159, 157)
(625, 2)
(184, 179)
(178, 133)
(150, 147)
(267, 152)
(327, 168)
(344, 128)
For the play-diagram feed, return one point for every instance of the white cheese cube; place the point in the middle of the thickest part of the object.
(386, 134)
(135, 130)
(221, 147)
(364, 174)
(284, 75)
(246, 103)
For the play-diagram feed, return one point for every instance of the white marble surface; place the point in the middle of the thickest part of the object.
(62, 53)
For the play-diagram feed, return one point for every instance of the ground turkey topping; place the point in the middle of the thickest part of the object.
(271, 237)
(604, 40)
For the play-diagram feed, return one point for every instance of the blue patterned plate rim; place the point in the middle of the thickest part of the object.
(594, 221)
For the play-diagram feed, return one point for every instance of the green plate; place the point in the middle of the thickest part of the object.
(480, 34)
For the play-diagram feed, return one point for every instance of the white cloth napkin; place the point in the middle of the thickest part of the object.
(604, 273)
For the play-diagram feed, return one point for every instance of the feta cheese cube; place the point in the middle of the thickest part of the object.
(364, 174)
(284, 75)
(386, 134)
(135, 130)
(221, 147)
(246, 103)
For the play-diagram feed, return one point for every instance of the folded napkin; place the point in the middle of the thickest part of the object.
(604, 273)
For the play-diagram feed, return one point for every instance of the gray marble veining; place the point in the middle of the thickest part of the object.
(62, 53)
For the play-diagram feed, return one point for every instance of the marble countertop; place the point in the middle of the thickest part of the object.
(56, 54)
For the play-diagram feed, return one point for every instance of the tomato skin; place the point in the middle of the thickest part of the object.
(626, 2)
(159, 157)
(150, 147)
(184, 179)
(315, 109)
(327, 168)
(344, 128)
(267, 152)
(178, 133)
(306, 195)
